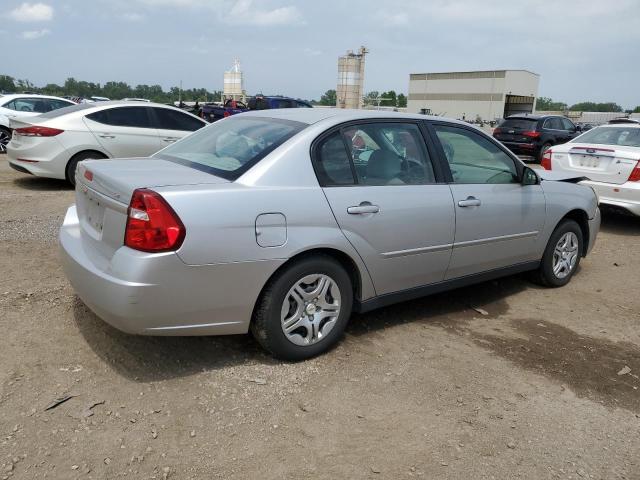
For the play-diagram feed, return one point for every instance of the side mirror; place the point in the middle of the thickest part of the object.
(578, 128)
(529, 177)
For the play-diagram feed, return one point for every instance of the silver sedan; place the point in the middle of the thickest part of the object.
(285, 222)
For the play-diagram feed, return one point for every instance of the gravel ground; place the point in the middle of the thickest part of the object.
(527, 386)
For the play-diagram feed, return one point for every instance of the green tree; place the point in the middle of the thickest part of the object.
(596, 107)
(328, 98)
(636, 110)
(546, 104)
(7, 84)
(390, 99)
(402, 100)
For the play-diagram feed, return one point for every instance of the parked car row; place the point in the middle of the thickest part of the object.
(213, 112)
(284, 222)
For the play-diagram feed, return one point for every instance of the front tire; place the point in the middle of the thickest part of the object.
(561, 256)
(304, 310)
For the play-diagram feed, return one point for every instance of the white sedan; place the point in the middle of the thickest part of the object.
(25, 105)
(609, 157)
(51, 145)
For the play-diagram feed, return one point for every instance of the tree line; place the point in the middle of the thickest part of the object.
(548, 104)
(373, 98)
(113, 90)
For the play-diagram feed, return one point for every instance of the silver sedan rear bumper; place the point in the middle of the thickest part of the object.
(158, 294)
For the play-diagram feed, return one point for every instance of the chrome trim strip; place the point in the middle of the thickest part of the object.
(417, 251)
(483, 241)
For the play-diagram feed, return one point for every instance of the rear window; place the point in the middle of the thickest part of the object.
(230, 147)
(519, 123)
(620, 136)
(65, 110)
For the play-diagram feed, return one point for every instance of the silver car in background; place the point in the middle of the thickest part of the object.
(285, 222)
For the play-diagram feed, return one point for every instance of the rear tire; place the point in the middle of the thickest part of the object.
(72, 164)
(5, 136)
(561, 256)
(543, 149)
(304, 309)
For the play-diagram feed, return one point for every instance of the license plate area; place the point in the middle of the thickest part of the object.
(589, 161)
(93, 210)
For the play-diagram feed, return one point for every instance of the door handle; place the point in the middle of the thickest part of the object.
(169, 139)
(470, 202)
(363, 208)
(106, 135)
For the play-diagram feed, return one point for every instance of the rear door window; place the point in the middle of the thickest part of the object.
(137, 117)
(333, 165)
(168, 119)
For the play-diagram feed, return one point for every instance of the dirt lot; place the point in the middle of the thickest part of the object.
(426, 389)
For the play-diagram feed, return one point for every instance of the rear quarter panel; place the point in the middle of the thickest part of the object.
(221, 224)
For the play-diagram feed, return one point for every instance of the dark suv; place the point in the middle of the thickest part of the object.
(533, 134)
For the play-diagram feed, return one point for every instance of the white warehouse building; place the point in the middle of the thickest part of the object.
(488, 95)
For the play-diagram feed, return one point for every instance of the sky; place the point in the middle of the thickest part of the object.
(582, 49)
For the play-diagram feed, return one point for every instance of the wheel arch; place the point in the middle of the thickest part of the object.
(344, 259)
(582, 219)
(102, 154)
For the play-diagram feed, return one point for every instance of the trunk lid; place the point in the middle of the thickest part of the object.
(600, 163)
(104, 189)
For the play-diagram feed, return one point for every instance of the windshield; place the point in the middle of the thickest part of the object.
(229, 147)
(621, 136)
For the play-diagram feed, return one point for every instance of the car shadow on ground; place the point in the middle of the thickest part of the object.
(619, 223)
(144, 358)
(42, 184)
(452, 309)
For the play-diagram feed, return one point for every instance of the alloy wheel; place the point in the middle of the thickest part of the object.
(4, 140)
(310, 309)
(565, 255)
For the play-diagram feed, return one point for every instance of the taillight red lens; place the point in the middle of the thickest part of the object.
(531, 134)
(546, 160)
(152, 225)
(226, 114)
(496, 130)
(35, 131)
(635, 173)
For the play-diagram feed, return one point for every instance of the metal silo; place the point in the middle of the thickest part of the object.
(233, 83)
(351, 79)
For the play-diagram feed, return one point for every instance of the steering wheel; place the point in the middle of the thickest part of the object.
(411, 170)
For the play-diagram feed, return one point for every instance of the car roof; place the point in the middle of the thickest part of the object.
(532, 117)
(314, 115)
(12, 96)
(94, 107)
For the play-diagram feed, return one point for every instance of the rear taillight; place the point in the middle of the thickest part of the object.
(496, 131)
(635, 173)
(226, 114)
(546, 160)
(152, 225)
(531, 134)
(35, 131)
